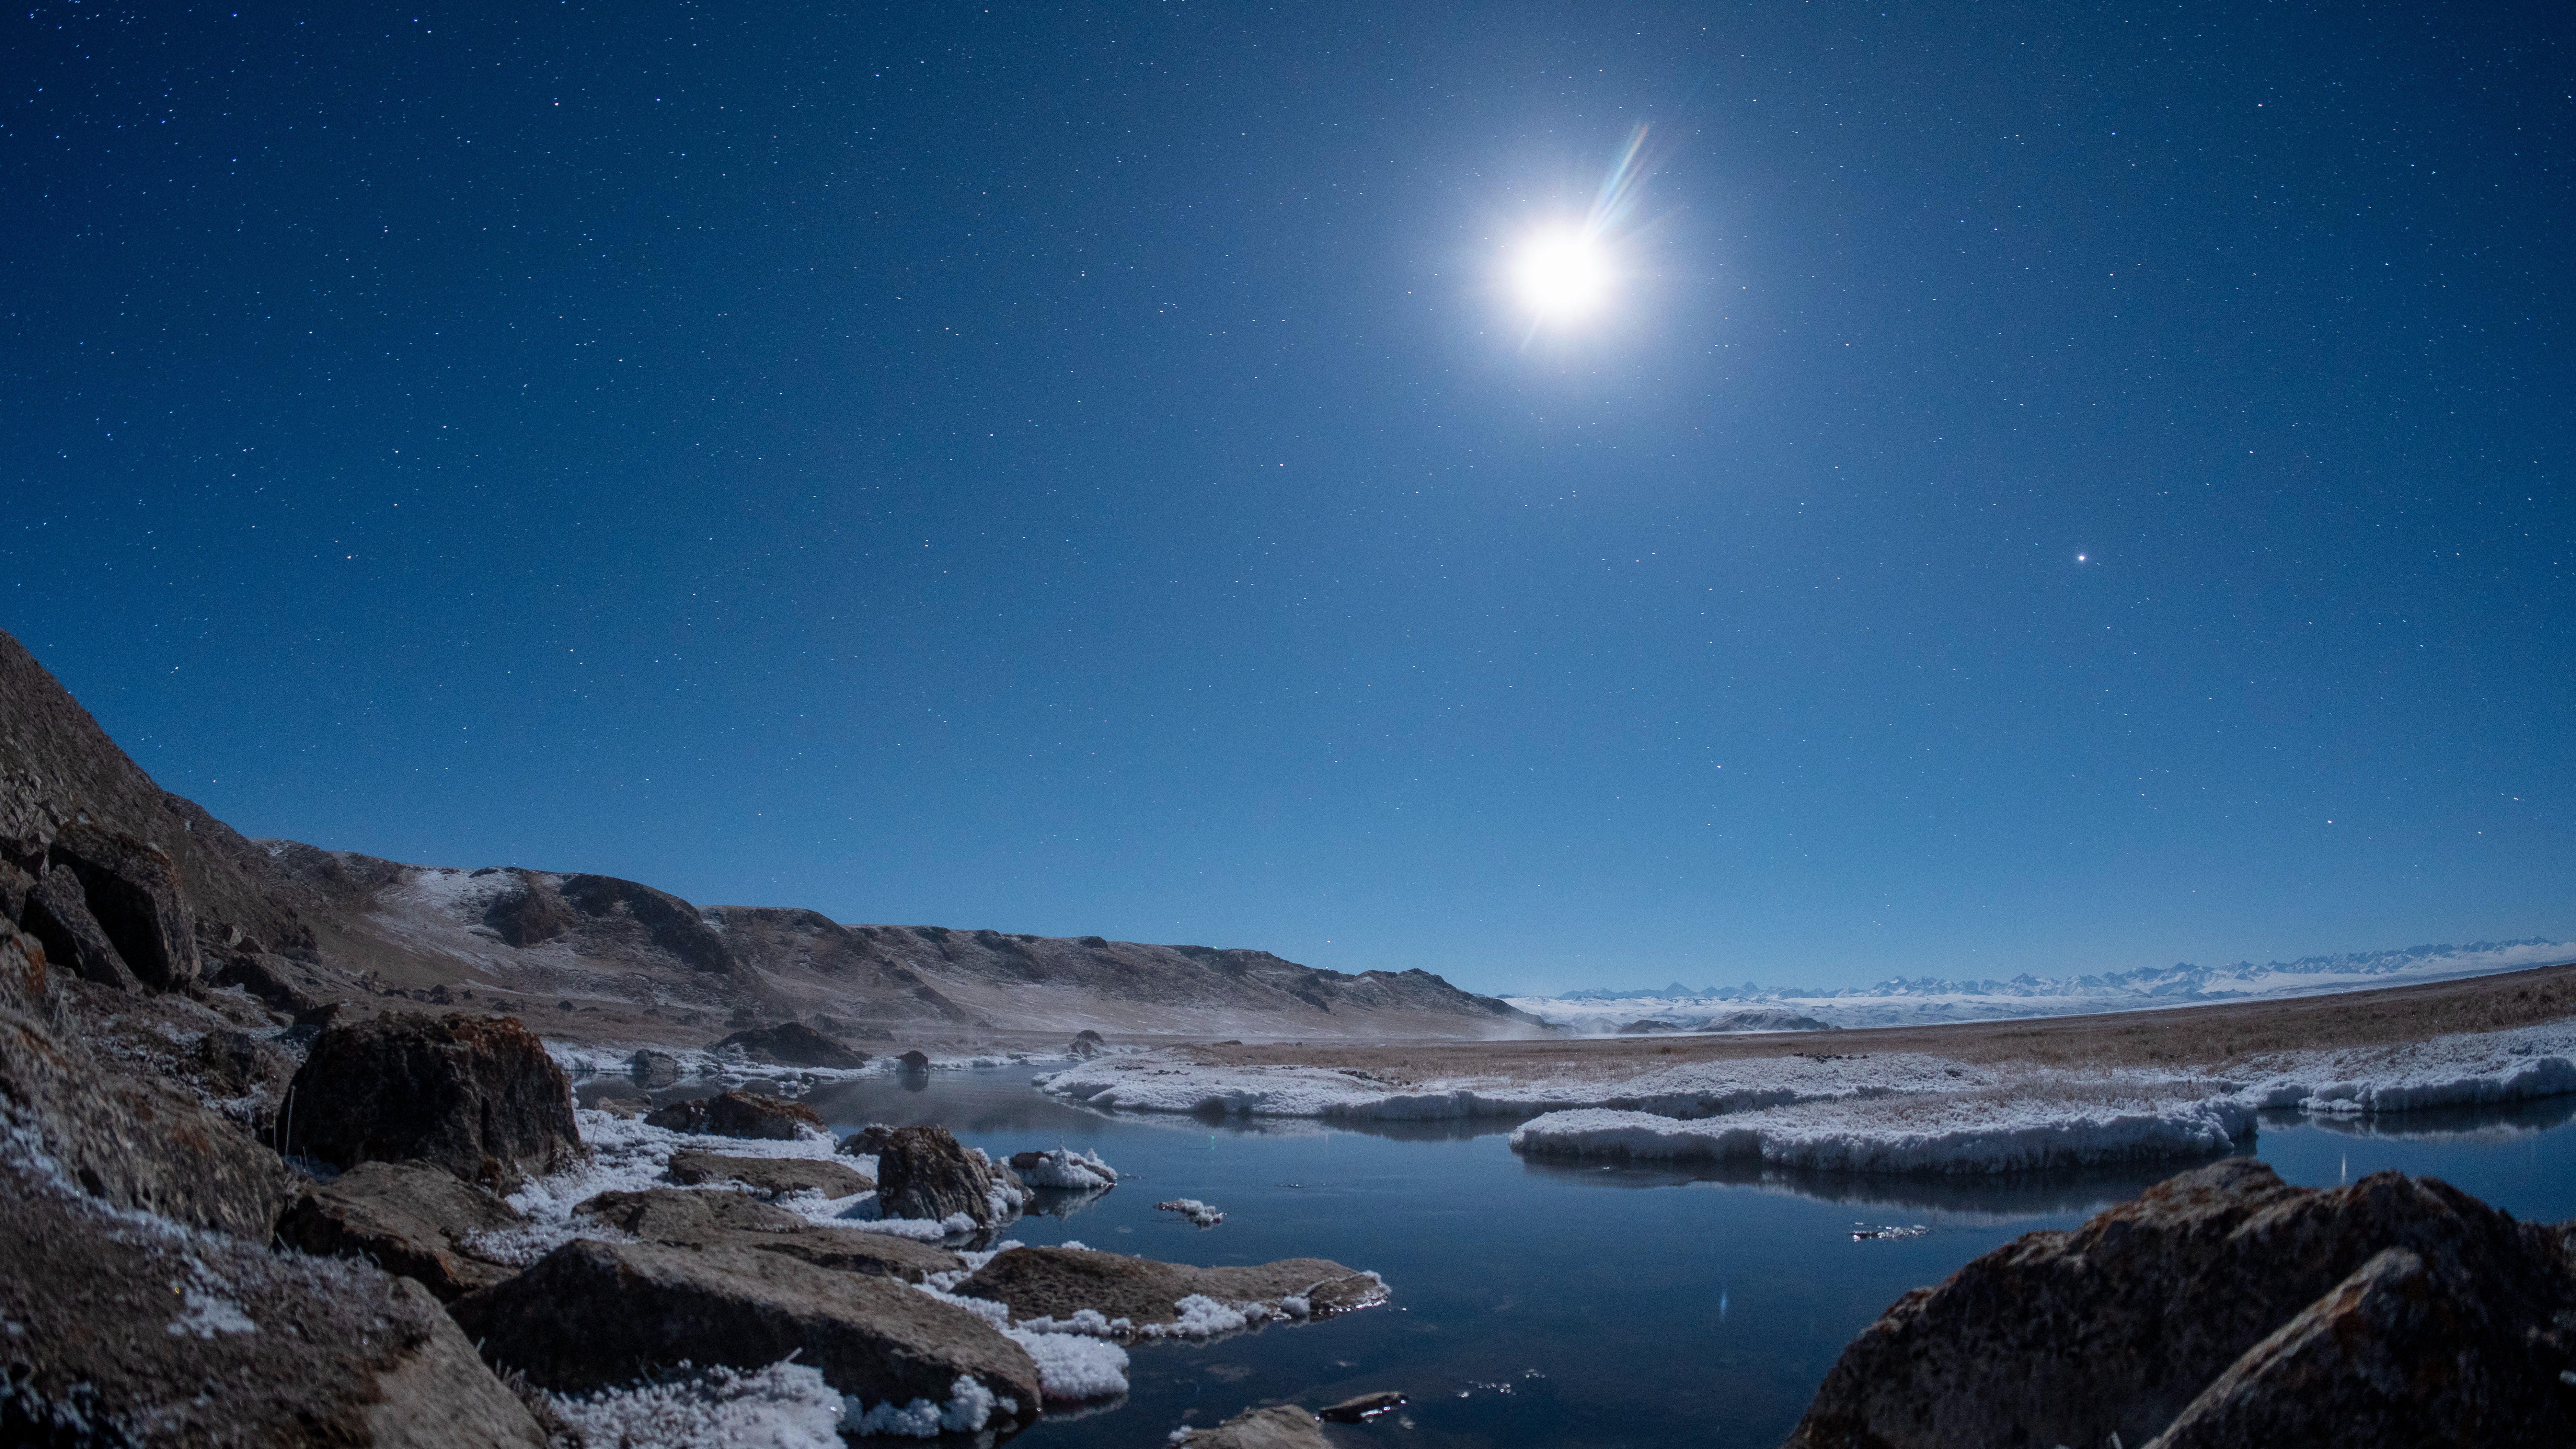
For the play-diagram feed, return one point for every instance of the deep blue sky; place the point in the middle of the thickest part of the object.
(1075, 469)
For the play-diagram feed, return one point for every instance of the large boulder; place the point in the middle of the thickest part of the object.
(925, 1172)
(592, 1314)
(739, 1114)
(651, 1069)
(793, 1044)
(133, 891)
(145, 1334)
(476, 1095)
(2229, 1308)
(57, 913)
(1061, 1282)
(406, 1217)
(668, 1215)
(770, 1176)
(131, 1142)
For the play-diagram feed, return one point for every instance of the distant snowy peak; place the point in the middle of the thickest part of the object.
(1927, 998)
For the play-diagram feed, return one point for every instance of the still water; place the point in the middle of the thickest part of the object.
(1539, 1304)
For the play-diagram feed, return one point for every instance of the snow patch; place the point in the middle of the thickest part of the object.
(784, 1406)
(970, 1406)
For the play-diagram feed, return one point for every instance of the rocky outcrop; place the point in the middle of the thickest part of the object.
(132, 889)
(58, 914)
(1280, 1426)
(1060, 1282)
(591, 1314)
(672, 923)
(129, 1141)
(924, 1172)
(793, 1044)
(739, 1114)
(668, 1215)
(2225, 1307)
(770, 1176)
(473, 1094)
(148, 1335)
(69, 797)
(531, 913)
(408, 1218)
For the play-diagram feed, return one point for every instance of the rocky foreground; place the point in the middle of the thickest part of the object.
(364, 1258)
(2224, 1308)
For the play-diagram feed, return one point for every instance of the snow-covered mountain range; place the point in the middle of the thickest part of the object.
(1900, 1002)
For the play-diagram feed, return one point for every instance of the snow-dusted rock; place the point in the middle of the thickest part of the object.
(2395, 1310)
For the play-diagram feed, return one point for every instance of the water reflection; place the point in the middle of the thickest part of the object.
(1995, 1197)
(2502, 1122)
(1701, 1315)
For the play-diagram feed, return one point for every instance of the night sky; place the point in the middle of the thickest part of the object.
(1092, 469)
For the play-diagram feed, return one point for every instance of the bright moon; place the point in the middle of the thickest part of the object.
(1561, 275)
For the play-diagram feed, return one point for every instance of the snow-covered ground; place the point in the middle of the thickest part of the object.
(1902, 1003)
(1882, 1112)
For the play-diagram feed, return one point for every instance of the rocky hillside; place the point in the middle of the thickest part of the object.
(129, 885)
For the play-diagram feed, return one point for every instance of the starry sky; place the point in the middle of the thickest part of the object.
(1085, 469)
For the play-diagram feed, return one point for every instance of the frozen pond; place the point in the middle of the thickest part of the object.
(1538, 1304)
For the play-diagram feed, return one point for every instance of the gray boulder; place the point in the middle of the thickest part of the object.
(476, 1095)
(652, 1069)
(1060, 1282)
(592, 1314)
(924, 1172)
(770, 1176)
(738, 1114)
(2226, 1307)
(407, 1217)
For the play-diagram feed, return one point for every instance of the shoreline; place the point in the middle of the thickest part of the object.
(1976, 1098)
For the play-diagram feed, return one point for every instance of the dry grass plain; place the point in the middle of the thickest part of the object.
(2186, 1037)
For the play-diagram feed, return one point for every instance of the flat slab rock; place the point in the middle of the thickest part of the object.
(592, 1314)
(701, 1219)
(771, 1175)
(2222, 1308)
(1281, 1426)
(1060, 1282)
(849, 1250)
(738, 1114)
(166, 1337)
(670, 1215)
(408, 1217)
